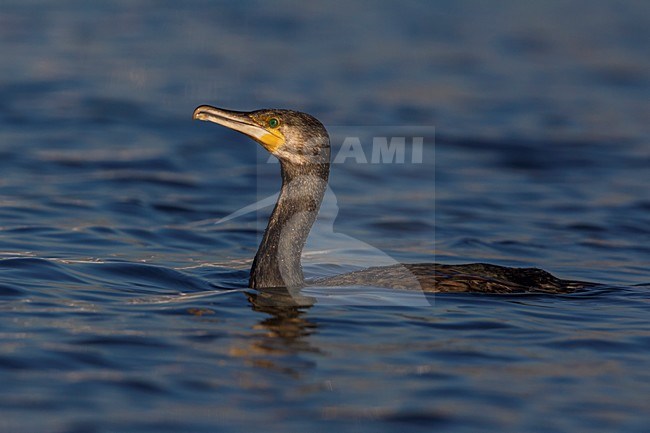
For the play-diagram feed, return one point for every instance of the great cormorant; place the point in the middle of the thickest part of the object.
(302, 145)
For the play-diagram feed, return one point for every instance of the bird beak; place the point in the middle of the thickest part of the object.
(271, 139)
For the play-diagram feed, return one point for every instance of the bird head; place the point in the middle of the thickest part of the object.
(293, 137)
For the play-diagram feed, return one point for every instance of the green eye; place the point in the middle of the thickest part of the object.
(273, 122)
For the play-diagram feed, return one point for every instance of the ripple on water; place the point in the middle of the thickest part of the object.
(144, 278)
(32, 268)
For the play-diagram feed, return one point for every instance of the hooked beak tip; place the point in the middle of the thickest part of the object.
(200, 113)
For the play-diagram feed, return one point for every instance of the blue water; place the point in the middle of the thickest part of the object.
(123, 299)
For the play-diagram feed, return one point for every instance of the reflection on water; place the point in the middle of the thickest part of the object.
(285, 332)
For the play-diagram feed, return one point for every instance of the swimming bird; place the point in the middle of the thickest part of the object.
(301, 144)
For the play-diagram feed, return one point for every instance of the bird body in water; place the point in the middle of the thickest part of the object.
(302, 145)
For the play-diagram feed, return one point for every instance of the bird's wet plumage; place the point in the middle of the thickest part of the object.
(474, 277)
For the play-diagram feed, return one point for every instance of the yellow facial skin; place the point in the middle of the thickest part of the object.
(252, 125)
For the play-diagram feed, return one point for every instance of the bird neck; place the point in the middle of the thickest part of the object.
(277, 262)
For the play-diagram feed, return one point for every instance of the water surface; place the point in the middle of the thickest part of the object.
(123, 303)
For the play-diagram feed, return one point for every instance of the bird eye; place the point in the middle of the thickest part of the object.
(273, 122)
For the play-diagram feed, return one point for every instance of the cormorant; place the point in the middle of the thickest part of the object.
(302, 145)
